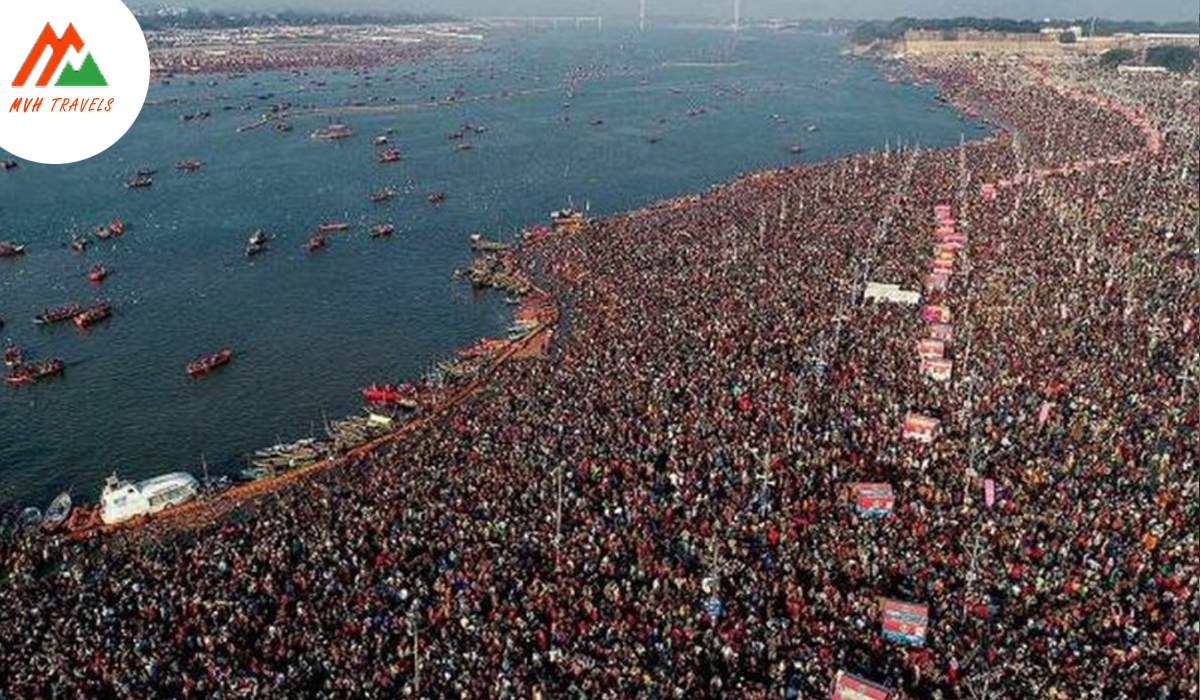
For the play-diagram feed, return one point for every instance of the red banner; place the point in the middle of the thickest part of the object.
(874, 499)
(941, 331)
(930, 349)
(905, 622)
(847, 686)
(919, 428)
(937, 369)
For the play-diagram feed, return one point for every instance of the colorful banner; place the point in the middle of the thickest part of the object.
(890, 292)
(931, 349)
(937, 281)
(989, 492)
(847, 686)
(934, 313)
(988, 191)
(946, 266)
(874, 500)
(937, 369)
(919, 428)
(941, 331)
(905, 622)
(955, 237)
(941, 211)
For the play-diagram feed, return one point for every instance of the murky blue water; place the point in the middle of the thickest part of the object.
(310, 330)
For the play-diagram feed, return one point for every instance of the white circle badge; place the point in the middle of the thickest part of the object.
(73, 77)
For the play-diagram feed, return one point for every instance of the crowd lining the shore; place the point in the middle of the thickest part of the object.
(660, 509)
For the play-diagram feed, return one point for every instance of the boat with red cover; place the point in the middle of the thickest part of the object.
(97, 273)
(13, 355)
(207, 363)
(8, 249)
(31, 372)
(93, 315)
(116, 227)
(327, 226)
(382, 230)
(59, 313)
(403, 395)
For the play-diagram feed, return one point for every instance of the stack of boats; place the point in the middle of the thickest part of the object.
(493, 270)
(333, 132)
(352, 431)
(271, 460)
(480, 244)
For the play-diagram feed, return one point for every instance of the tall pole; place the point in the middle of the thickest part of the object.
(737, 15)
(558, 499)
(642, 16)
(416, 655)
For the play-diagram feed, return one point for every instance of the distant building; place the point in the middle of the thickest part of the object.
(1046, 41)
(1141, 70)
(1170, 39)
(972, 40)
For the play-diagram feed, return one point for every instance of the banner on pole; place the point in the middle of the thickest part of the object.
(937, 281)
(847, 686)
(935, 313)
(931, 349)
(905, 622)
(890, 292)
(874, 500)
(941, 331)
(919, 428)
(989, 492)
(937, 369)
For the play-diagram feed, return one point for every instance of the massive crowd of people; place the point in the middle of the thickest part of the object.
(660, 509)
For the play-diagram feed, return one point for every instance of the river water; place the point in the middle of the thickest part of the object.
(651, 115)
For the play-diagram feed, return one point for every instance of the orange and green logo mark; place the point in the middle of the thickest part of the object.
(88, 75)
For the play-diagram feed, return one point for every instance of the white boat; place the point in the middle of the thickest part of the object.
(58, 511)
(121, 500)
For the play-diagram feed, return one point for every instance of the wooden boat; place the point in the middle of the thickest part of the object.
(13, 356)
(382, 195)
(8, 249)
(208, 363)
(58, 511)
(31, 372)
(315, 242)
(93, 315)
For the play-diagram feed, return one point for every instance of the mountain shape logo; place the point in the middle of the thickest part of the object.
(88, 75)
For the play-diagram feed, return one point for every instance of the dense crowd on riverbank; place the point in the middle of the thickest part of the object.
(719, 385)
(290, 48)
